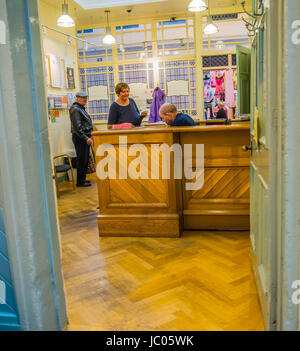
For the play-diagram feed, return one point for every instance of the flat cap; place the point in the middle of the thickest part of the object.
(81, 94)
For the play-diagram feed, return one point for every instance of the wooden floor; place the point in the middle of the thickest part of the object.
(201, 281)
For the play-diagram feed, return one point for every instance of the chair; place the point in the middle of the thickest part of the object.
(62, 169)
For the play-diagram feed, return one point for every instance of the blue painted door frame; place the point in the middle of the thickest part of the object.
(9, 320)
(26, 176)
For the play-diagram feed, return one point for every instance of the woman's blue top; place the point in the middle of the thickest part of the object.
(124, 114)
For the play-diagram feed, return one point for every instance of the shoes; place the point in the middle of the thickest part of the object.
(84, 185)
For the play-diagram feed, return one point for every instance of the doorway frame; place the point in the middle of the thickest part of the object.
(26, 182)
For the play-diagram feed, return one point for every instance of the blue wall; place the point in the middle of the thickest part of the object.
(8, 312)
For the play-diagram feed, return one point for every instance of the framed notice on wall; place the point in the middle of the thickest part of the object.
(56, 71)
(70, 78)
(47, 71)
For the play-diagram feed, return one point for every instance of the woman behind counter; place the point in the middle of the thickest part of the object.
(124, 109)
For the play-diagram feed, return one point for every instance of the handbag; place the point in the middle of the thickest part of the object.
(91, 164)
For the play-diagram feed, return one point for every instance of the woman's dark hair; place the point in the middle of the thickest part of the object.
(120, 86)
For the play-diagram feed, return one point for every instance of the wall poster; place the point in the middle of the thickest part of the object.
(56, 71)
(70, 78)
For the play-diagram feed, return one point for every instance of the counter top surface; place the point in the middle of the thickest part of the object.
(168, 129)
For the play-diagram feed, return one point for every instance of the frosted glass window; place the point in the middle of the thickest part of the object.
(174, 33)
(90, 32)
(129, 38)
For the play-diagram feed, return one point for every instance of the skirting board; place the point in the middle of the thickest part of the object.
(221, 222)
(167, 226)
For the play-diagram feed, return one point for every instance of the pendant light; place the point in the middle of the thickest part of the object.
(210, 28)
(65, 20)
(108, 39)
(197, 6)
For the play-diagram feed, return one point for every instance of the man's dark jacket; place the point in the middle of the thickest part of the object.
(81, 123)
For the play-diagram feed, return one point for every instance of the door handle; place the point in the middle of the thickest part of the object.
(248, 148)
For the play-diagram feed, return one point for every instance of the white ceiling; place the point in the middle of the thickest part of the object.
(100, 4)
(154, 10)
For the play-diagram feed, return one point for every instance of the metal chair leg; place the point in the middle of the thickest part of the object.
(56, 182)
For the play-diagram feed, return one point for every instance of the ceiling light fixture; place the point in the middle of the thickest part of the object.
(108, 39)
(197, 6)
(65, 20)
(210, 28)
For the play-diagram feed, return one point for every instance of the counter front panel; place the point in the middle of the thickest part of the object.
(164, 207)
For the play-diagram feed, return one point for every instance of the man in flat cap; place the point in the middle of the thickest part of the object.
(81, 129)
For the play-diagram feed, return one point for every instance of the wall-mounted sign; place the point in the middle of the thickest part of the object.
(178, 88)
(59, 102)
(56, 71)
(51, 102)
(97, 93)
(64, 102)
(52, 116)
(141, 95)
(47, 71)
(70, 78)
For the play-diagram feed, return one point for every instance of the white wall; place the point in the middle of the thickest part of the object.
(57, 44)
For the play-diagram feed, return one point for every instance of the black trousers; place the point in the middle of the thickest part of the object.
(83, 154)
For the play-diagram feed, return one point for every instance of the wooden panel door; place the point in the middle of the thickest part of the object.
(243, 70)
(262, 239)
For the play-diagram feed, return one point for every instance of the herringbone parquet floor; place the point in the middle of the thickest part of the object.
(201, 281)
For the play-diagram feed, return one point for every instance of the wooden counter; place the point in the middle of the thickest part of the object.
(163, 207)
(219, 121)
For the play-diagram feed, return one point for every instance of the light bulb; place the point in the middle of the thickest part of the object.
(65, 20)
(109, 40)
(197, 6)
(210, 28)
